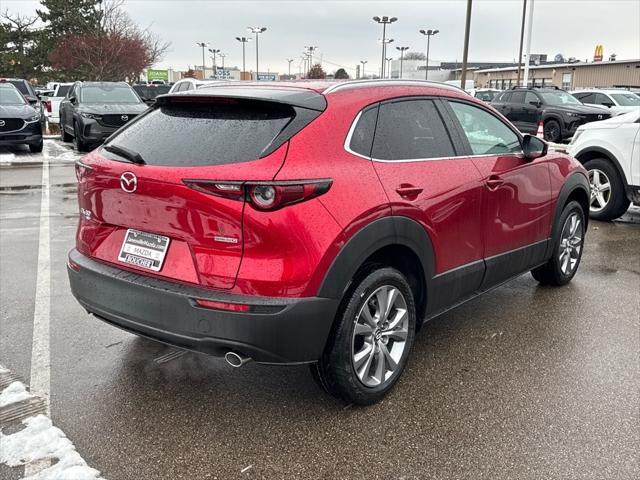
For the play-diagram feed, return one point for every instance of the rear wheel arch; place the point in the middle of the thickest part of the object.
(598, 152)
(398, 242)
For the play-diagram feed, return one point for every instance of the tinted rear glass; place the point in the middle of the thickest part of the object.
(205, 134)
(362, 137)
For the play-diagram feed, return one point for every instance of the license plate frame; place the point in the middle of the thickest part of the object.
(144, 250)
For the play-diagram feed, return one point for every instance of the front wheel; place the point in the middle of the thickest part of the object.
(608, 198)
(80, 145)
(567, 251)
(370, 342)
(552, 131)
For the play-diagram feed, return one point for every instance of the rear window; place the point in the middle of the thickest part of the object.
(201, 134)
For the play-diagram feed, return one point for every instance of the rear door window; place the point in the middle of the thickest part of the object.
(517, 97)
(362, 136)
(201, 134)
(411, 129)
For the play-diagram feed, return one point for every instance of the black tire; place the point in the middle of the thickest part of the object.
(551, 273)
(552, 131)
(36, 147)
(617, 202)
(80, 145)
(335, 371)
(64, 136)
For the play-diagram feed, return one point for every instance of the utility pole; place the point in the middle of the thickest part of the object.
(525, 81)
(524, 14)
(384, 21)
(363, 62)
(244, 41)
(465, 52)
(289, 60)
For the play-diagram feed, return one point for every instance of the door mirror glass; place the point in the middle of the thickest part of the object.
(534, 147)
(535, 103)
(72, 99)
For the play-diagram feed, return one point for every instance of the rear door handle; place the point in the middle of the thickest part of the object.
(494, 181)
(406, 190)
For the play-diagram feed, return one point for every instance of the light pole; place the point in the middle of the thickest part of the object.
(429, 34)
(384, 21)
(202, 45)
(389, 67)
(289, 60)
(306, 57)
(310, 51)
(244, 41)
(214, 51)
(257, 31)
(363, 62)
(222, 56)
(401, 50)
(384, 41)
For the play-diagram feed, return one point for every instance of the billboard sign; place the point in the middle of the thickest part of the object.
(157, 75)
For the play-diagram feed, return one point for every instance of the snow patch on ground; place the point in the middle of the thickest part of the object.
(15, 392)
(40, 440)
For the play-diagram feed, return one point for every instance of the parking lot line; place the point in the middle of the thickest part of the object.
(40, 356)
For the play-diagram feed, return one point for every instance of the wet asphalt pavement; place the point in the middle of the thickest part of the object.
(526, 382)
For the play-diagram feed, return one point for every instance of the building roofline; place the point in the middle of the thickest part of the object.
(559, 65)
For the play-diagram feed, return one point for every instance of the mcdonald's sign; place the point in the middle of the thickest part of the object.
(597, 56)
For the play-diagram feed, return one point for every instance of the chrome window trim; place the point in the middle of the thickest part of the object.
(352, 128)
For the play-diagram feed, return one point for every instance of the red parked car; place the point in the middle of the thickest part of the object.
(317, 223)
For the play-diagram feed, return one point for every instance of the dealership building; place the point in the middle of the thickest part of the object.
(613, 73)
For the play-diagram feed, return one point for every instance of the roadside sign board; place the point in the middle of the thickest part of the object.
(157, 75)
(267, 77)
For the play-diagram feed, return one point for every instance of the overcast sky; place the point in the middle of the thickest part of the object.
(345, 33)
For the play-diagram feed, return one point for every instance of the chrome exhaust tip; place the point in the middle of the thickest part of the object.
(236, 360)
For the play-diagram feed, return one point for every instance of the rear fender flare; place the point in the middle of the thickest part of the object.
(387, 231)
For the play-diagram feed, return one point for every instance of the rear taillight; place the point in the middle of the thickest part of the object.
(47, 105)
(264, 196)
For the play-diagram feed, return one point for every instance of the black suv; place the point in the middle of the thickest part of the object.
(92, 111)
(29, 93)
(560, 112)
(19, 121)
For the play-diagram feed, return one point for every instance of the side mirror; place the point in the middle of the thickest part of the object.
(608, 105)
(31, 99)
(534, 147)
(72, 99)
(535, 104)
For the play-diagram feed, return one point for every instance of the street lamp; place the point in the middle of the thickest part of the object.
(389, 66)
(384, 41)
(214, 51)
(310, 51)
(429, 34)
(363, 62)
(401, 50)
(257, 31)
(384, 21)
(289, 60)
(306, 62)
(202, 45)
(244, 41)
(222, 56)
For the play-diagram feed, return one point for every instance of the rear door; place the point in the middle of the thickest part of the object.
(173, 204)
(516, 212)
(425, 179)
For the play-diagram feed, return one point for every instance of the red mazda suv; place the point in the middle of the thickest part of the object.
(318, 223)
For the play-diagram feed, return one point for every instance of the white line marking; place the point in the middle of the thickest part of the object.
(40, 382)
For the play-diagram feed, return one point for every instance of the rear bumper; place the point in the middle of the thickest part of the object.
(275, 330)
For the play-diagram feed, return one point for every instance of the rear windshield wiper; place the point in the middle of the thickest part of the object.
(125, 153)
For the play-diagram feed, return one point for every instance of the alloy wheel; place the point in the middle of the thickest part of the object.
(600, 190)
(380, 336)
(570, 244)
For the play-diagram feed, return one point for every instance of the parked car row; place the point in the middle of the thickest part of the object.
(20, 120)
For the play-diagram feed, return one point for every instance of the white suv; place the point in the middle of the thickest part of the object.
(618, 101)
(610, 151)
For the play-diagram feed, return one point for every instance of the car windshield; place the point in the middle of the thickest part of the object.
(108, 94)
(559, 98)
(20, 85)
(626, 99)
(10, 96)
(486, 96)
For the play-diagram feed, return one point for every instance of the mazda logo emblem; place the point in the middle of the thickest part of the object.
(2, 123)
(124, 118)
(599, 117)
(128, 182)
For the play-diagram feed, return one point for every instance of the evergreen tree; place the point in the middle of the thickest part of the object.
(70, 17)
(341, 73)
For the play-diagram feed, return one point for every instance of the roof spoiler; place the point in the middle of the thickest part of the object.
(296, 97)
